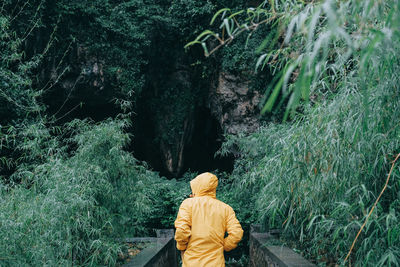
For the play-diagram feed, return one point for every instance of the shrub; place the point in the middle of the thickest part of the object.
(69, 210)
(318, 176)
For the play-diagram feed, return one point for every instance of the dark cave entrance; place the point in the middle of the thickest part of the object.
(199, 153)
(206, 141)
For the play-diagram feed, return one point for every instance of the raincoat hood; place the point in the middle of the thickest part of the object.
(204, 184)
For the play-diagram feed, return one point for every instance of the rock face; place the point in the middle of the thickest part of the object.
(178, 130)
(231, 103)
(81, 89)
(234, 105)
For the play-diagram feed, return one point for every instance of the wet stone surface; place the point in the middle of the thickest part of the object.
(131, 250)
(158, 251)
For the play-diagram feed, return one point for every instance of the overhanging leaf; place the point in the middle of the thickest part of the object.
(218, 13)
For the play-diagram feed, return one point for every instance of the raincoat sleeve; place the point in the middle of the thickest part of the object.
(235, 231)
(183, 225)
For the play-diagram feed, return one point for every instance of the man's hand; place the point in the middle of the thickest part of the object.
(182, 253)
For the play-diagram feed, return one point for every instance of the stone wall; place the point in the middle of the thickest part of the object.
(265, 251)
(160, 253)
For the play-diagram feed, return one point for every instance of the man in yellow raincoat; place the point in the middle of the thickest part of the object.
(201, 225)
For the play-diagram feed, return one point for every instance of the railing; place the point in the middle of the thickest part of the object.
(265, 250)
(161, 251)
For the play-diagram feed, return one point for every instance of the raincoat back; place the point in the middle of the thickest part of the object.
(201, 225)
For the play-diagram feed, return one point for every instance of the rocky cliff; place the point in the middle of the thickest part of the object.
(234, 105)
(178, 128)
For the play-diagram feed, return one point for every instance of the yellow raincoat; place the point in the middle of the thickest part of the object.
(201, 224)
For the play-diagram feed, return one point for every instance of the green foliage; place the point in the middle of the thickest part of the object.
(318, 176)
(17, 98)
(189, 16)
(167, 196)
(310, 44)
(72, 189)
(69, 210)
(119, 34)
(240, 56)
(241, 262)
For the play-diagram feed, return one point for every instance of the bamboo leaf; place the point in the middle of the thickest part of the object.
(192, 43)
(218, 13)
(227, 27)
(289, 72)
(205, 49)
(235, 14)
(206, 32)
(247, 41)
(271, 100)
(290, 30)
(260, 60)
